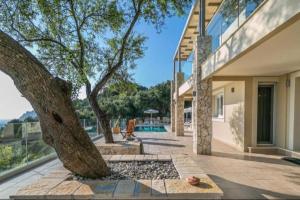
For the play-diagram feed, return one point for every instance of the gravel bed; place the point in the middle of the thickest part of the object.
(140, 170)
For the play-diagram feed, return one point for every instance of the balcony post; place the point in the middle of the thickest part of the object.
(174, 69)
(179, 106)
(202, 18)
(202, 99)
(179, 101)
(172, 101)
(179, 59)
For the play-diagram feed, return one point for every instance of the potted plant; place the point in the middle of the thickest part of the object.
(116, 128)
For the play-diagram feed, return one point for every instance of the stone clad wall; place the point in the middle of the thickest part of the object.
(202, 99)
(121, 148)
(172, 107)
(204, 118)
(179, 106)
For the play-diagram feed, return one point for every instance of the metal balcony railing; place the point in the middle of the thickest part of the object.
(229, 17)
(21, 145)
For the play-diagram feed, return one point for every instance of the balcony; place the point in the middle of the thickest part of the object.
(222, 20)
(186, 88)
(229, 17)
(266, 43)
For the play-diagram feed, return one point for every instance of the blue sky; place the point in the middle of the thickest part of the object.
(155, 67)
(157, 64)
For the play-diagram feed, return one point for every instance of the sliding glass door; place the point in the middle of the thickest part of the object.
(265, 114)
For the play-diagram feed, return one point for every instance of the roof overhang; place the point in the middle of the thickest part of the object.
(191, 30)
(275, 55)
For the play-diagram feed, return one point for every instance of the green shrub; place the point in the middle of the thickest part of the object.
(6, 156)
(18, 130)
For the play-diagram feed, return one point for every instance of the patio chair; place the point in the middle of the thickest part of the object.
(128, 132)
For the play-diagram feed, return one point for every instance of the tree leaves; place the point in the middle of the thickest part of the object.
(86, 42)
(126, 99)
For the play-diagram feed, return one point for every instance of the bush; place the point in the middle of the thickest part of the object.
(6, 156)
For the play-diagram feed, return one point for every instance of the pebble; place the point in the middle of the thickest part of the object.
(140, 170)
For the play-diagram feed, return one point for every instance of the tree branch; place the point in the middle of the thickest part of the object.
(121, 52)
(79, 36)
(81, 44)
(42, 39)
(86, 17)
(134, 5)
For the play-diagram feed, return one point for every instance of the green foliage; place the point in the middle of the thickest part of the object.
(81, 40)
(18, 130)
(65, 34)
(6, 155)
(15, 121)
(38, 149)
(14, 154)
(129, 100)
(89, 43)
(30, 119)
(84, 111)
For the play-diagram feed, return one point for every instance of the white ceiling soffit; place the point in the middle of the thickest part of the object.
(190, 30)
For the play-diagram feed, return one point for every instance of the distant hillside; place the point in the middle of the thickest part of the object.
(28, 114)
(3, 122)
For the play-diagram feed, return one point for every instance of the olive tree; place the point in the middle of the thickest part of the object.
(89, 43)
(77, 43)
(51, 99)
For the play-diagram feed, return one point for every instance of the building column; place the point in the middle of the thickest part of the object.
(172, 107)
(202, 99)
(179, 106)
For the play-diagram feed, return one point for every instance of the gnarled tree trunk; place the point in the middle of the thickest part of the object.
(103, 119)
(50, 98)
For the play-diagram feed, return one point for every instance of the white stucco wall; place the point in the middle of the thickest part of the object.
(231, 129)
(281, 112)
(293, 117)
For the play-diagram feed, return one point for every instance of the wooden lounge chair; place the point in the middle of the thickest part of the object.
(128, 132)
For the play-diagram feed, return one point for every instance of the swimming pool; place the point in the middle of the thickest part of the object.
(150, 128)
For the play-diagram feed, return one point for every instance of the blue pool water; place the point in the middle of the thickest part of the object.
(149, 128)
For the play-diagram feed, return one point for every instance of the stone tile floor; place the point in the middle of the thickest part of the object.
(59, 185)
(240, 175)
(10, 186)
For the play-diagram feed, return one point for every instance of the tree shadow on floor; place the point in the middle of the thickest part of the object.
(234, 190)
(241, 156)
(185, 135)
(294, 177)
(144, 138)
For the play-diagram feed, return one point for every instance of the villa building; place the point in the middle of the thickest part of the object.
(244, 83)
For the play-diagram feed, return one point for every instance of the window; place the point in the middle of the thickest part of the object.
(218, 107)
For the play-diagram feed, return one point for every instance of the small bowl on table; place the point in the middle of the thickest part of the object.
(193, 180)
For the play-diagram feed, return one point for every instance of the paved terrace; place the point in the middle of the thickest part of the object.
(239, 175)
